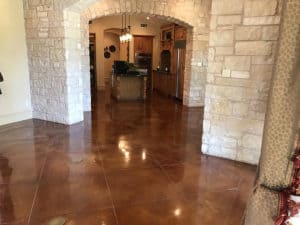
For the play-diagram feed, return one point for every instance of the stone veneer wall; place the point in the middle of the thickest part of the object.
(57, 39)
(242, 49)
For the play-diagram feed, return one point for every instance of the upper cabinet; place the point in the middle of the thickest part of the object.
(143, 44)
(180, 33)
(171, 33)
(167, 36)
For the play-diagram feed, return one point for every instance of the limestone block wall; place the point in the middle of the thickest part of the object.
(57, 40)
(192, 13)
(242, 49)
(54, 62)
(45, 43)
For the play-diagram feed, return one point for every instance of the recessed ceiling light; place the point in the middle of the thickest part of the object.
(148, 18)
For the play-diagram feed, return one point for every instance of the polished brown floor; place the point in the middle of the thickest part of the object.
(128, 163)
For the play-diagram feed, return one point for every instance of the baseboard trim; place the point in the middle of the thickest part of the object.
(15, 117)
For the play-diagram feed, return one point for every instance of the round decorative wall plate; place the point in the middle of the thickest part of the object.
(107, 55)
(112, 48)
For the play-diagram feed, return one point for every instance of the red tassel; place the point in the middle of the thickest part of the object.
(283, 207)
(293, 207)
(297, 162)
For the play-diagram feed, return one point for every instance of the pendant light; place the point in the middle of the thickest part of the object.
(126, 35)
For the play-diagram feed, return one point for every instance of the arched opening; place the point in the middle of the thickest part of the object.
(77, 44)
(151, 55)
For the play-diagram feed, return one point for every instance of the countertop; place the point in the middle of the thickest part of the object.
(130, 75)
(162, 72)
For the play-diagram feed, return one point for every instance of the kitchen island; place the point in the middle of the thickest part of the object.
(126, 87)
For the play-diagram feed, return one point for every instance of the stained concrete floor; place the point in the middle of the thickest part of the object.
(130, 163)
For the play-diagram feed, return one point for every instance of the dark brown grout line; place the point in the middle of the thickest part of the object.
(161, 167)
(38, 185)
(235, 199)
(108, 187)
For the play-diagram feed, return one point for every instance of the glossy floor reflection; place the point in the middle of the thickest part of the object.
(130, 163)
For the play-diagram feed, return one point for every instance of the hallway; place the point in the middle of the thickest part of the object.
(130, 163)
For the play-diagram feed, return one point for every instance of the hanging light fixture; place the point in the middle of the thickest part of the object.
(126, 35)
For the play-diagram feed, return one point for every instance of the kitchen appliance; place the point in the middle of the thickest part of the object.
(179, 46)
(144, 61)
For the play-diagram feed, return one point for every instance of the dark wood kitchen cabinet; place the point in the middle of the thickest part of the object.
(143, 44)
(163, 83)
(180, 33)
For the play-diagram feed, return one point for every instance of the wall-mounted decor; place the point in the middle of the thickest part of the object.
(107, 55)
(112, 48)
(108, 50)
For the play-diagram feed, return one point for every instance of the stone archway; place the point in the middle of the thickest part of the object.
(58, 50)
(194, 84)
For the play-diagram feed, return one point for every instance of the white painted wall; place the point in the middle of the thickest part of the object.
(15, 103)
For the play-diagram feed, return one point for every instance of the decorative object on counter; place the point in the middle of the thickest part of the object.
(165, 59)
(112, 48)
(132, 69)
(1, 80)
(124, 68)
(126, 35)
(131, 66)
(120, 67)
(289, 198)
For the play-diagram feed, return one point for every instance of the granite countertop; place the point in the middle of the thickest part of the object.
(162, 72)
(130, 75)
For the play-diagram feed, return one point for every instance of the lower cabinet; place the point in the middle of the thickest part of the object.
(164, 83)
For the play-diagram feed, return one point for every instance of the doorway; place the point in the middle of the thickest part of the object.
(151, 37)
(93, 67)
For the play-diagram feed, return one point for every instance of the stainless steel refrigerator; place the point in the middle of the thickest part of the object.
(180, 47)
